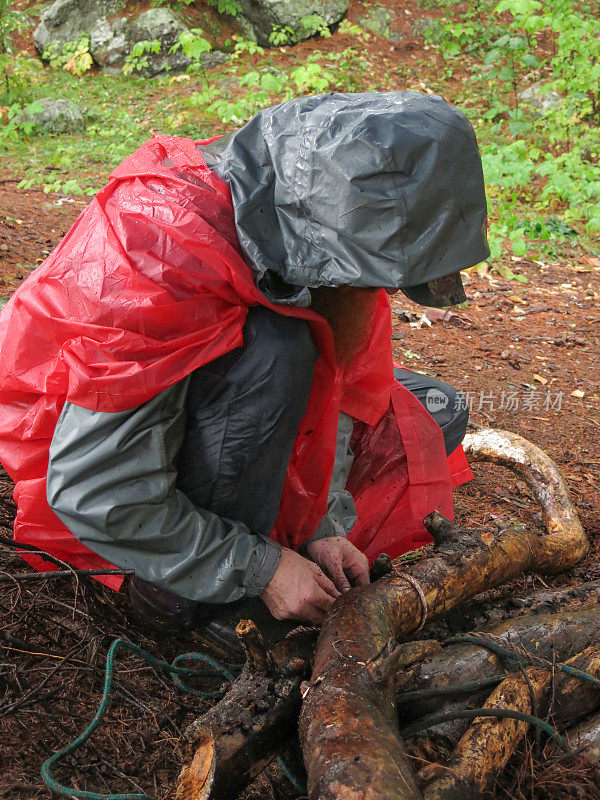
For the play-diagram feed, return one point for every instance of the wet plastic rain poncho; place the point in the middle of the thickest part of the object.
(155, 278)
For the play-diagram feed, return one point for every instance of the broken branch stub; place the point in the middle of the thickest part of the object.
(348, 724)
(226, 748)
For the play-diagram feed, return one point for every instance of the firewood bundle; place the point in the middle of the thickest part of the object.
(410, 665)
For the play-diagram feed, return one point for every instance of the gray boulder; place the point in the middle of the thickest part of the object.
(378, 19)
(109, 43)
(55, 116)
(422, 25)
(261, 16)
(67, 20)
(111, 40)
(163, 25)
(539, 100)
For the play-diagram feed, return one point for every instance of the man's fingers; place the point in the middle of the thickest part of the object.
(338, 576)
(313, 614)
(358, 571)
(320, 598)
(325, 584)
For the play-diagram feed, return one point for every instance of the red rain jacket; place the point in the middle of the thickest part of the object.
(150, 284)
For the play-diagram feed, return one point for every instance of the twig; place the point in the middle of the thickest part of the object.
(54, 574)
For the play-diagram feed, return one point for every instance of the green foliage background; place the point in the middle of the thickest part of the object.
(542, 170)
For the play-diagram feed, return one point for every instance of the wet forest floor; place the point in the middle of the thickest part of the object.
(526, 356)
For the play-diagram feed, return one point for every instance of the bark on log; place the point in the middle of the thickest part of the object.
(227, 747)
(545, 636)
(487, 745)
(386, 666)
(348, 727)
(493, 612)
(484, 750)
(584, 738)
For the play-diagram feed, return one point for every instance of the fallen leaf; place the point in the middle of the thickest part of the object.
(592, 261)
(539, 379)
(578, 393)
(447, 317)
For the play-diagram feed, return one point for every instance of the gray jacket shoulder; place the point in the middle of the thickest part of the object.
(112, 481)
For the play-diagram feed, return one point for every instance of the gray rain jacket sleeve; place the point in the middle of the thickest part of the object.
(111, 480)
(341, 511)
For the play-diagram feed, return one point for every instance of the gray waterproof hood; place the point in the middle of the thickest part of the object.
(377, 189)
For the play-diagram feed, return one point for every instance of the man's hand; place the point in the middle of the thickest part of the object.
(299, 589)
(339, 559)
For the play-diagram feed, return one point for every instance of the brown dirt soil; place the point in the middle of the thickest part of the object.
(518, 351)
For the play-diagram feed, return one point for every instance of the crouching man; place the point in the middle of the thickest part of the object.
(198, 383)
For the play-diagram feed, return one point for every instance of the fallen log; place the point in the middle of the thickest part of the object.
(484, 750)
(507, 607)
(545, 636)
(227, 747)
(584, 738)
(348, 727)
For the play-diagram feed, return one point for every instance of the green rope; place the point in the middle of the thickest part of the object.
(473, 713)
(173, 669)
(520, 658)
(296, 782)
(455, 688)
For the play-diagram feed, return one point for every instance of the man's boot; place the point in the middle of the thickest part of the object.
(212, 625)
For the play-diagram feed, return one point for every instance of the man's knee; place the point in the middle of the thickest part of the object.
(447, 405)
(455, 429)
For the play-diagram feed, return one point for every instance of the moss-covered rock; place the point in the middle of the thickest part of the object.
(262, 16)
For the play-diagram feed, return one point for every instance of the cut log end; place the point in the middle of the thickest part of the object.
(196, 778)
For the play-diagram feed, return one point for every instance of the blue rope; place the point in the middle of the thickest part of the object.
(173, 669)
(528, 659)
(296, 782)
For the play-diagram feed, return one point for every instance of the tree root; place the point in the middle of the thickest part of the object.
(348, 726)
(545, 636)
(493, 612)
(584, 738)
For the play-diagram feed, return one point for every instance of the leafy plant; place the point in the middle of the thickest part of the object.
(243, 47)
(314, 23)
(349, 70)
(193, 44)
(311, 77)
(138, 58)
(74, 57)
(225, 6)
(19, 74)
(19, 120)
(179, 4)
(352, 29)
(281, 35)
(11, 20)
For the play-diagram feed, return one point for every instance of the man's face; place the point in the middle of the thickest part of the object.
(349, 311)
